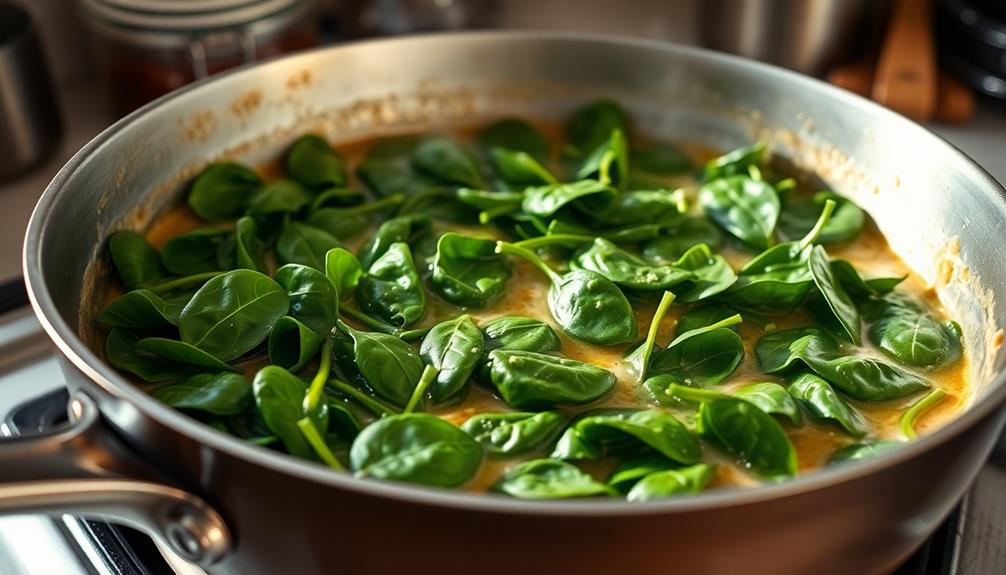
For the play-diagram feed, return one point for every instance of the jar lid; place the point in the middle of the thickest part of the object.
(185, 16)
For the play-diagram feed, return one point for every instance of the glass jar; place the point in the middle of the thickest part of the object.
(146, 48)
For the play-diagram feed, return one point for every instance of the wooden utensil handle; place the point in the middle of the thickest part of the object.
(906, 70)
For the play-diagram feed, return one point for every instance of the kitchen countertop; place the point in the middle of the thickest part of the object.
(984, 139)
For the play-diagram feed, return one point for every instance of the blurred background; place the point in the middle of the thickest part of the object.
(69, 68)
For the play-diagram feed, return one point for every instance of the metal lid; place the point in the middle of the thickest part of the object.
(185, 16)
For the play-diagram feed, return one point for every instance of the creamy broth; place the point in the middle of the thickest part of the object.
(526, 296)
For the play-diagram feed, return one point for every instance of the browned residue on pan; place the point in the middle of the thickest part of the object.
(245, 105)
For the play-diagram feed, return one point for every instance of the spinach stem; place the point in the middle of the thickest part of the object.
(486, 216)
(378, 325)
(725, 322)
(921, 406)
(374, 405)
(413, 201)
(429, 376)
(316, 391)
(822, 220)
(310, 433)
(184, 281)
(552, 239)
(651, 334)
(366, 320)
(604, 167)
(376, 205)
(524, 253)
(693, 393)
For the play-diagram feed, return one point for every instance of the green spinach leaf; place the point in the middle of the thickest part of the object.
(194, 251)
(312, 162)
(446, 161)
(746, 208)
(818, 397)
(386, 363)
(530, 380)
(773, 399)
(292, 344)
(303, 244)
(139, 309)
(279, 398)
(219, 394)
(514, 433)
(174, 351)
(223, 191)
(514, 134)
(549, 479)
(313, 298)
(735, 162)
(136, 261)
(591, 125)
(671, 482)
(233, 313)
(416, 448)
(467, 271)
(632, 432)
(391, 288)
(904, 329)
(839, 302)
(455, 348)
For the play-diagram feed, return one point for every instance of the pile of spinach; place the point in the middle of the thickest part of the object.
(264, 323)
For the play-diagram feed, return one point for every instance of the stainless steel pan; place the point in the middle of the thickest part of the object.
(129, 457)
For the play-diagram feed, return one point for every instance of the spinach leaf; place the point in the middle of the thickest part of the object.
(514, 134)
(519, 168)
(587, 195)
(549, 479)
(136, 261)
(671, 482)
(572, 445)
(748, 433)
(312, 162)
(865, 450)
(858, 287)
(660, 160)
(313, 298)
(219, 394)
(446, 161)
(530, 380)
(279, 398)
(303, 244)
(591, 125)
(799, 215)
(455, 348)
(664, 207)
(248, 247)
(345, 223)
(120, 352)
(174, 351)
(587, 305)
(630, 471)
(748, 209)
(859, 377)
(773, 399)
(681, 235)
(292, 344)
(904, 329)
(838, 301)
(609, 162)
(701, 357)
(866, 378)
(515, 332)
(818, 397)
(625, 268)
(734, 163)
(139, 309)
(337, 197)
(391, 288)
(416, 448)
(514, 433)
(223, 191)
(386, 363)
(343, 270)
(490, 204)
(467, 271)
(401, 229)
(710, 274)
(278, 198)
(632, 432)
(232, 313)
(779, 278)
(194, 251)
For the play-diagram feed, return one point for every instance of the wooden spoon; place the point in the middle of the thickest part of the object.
(906, 79)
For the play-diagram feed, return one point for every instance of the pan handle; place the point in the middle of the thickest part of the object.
(87, 471)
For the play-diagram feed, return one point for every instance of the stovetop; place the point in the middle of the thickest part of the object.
(33, 398)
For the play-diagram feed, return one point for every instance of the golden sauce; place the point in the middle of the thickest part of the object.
(526, 296)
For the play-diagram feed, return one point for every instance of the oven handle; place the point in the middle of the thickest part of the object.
(89, 472)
